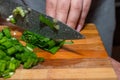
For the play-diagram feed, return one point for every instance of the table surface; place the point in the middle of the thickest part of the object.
(85, 59)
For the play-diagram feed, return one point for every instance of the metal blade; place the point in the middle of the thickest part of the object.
(33, 23)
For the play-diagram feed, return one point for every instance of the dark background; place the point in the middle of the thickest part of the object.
(116, 40)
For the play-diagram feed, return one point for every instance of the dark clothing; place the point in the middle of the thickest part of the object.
(102, 13)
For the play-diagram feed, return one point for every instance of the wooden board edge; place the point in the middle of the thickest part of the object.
(67, 74)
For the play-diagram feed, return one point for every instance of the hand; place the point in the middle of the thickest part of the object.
(71, 12)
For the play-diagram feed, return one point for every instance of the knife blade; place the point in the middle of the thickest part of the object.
(33, 23)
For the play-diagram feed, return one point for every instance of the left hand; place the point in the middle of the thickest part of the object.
(71, 12)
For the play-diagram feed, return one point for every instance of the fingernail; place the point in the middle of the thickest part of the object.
(79, 27)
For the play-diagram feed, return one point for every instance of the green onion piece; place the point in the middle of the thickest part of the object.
(19, 11)
(61, 43)
(29, 63)
(52, 24)
(13, 20)
(12, 66)
(2, 65)
(35, 62)
(24, 56)
(54, 49)
(16, 62)
(2, 47)
(2, 54)
(30, 46)
(49, 44)
(69, 42)
(11, 50)
(18, 56)
(1, 35)
(15, 41)
(7, 44)
(27, 50)
(6, 32)
(19, 48)
(7, 74)
(4, 39)
(7, 58)
(46, 21)
(57, 27)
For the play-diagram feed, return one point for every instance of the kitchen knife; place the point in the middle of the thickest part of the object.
(33, 23)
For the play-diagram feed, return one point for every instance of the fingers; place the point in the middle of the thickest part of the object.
(71, 12)
(74, 14)
(51, 7)
(62, 10)
(78, 28)
(86, 6)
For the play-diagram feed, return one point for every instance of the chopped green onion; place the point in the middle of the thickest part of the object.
(6, 32)
(41, 41)
(28, 64)
(69, 42)
(11, 50)
(7, 44)
(52, 24)
(1, 35)
(19, 48)
(2, 53)
(13, 20)
(12, 66)
(19, 11)
(54, 49)
(57, 27)
(30, 46)
(4, 39)
(2, 65)
(7, 74)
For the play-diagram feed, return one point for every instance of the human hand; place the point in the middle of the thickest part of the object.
(71, 12)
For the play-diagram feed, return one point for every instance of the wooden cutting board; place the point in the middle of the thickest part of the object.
(85, 59)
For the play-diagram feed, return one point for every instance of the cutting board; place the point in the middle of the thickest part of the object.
(85, 59)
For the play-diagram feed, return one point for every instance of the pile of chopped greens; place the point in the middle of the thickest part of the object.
(13, 53)
(42, 42)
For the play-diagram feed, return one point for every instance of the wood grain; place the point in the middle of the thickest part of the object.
(86, 59)
(66, 74)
